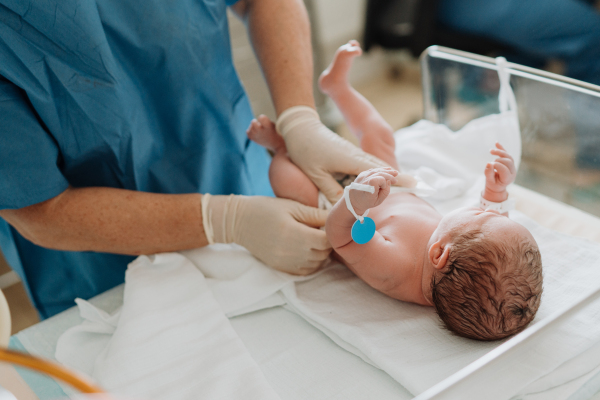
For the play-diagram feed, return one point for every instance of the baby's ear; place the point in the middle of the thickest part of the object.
(438, 255)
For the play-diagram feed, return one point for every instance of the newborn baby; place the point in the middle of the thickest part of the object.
(480, 270)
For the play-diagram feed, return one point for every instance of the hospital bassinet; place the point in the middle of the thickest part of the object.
(557, 120)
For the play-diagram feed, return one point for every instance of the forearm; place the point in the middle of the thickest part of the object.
(339, 225)
(280, 34)
(113, 221)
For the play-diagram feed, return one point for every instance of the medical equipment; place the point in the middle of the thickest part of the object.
(300, 362)
(554, 113)
(557, 117)
(502, 207)
(364, 228)
(54, 370)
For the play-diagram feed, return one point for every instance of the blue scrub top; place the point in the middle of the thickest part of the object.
(115, 93)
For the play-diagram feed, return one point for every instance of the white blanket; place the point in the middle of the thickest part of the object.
(405, 340)
(171, 339)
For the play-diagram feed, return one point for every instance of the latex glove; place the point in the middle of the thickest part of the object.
(381, 179)
(499, 174)
(319, 152)
(274, 230)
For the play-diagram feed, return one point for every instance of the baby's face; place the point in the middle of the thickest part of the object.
(488, 221)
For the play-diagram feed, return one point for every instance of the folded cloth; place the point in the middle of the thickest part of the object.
(239, 282)
(79, 346)
(171, 339)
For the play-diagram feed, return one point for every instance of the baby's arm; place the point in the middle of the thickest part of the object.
(340, 220)
(498, 175)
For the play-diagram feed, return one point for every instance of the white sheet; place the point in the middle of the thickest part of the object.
(298, 361)
(408, 342)
(131, 352)
(301, 363)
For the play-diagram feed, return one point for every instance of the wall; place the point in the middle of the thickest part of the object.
(334, 22)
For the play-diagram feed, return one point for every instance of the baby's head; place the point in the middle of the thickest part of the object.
(487, 274)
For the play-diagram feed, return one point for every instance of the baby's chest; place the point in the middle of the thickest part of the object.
(403, 207)
(405, 217)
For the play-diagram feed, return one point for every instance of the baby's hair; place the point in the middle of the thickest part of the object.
(478, 297)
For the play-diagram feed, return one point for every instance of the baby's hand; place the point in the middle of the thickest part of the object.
(500, 173)
(381, 179)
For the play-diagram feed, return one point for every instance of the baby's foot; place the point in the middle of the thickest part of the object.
(262, 131)
(337, 72)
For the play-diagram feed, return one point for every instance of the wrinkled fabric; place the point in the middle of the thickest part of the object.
(115, 93)
(130, 353)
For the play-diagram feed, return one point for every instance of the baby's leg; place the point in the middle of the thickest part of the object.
(374, 133)
(287, 180)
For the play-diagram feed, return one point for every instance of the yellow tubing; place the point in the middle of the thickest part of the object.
(54, 370)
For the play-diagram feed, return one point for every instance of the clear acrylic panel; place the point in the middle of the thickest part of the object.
(559, 119)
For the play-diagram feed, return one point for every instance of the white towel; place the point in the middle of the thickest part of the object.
(171, 340)
(240, 283)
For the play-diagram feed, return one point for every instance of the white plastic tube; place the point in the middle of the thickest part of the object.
(5, 325)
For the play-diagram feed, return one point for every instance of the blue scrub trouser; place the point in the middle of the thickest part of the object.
(539, 29)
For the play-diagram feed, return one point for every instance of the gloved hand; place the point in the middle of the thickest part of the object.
(319, 152)
(274, 230)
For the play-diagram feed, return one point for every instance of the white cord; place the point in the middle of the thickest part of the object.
(506, 96)
(361, 187)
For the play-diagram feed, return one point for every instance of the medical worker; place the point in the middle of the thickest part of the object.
(116, 114)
